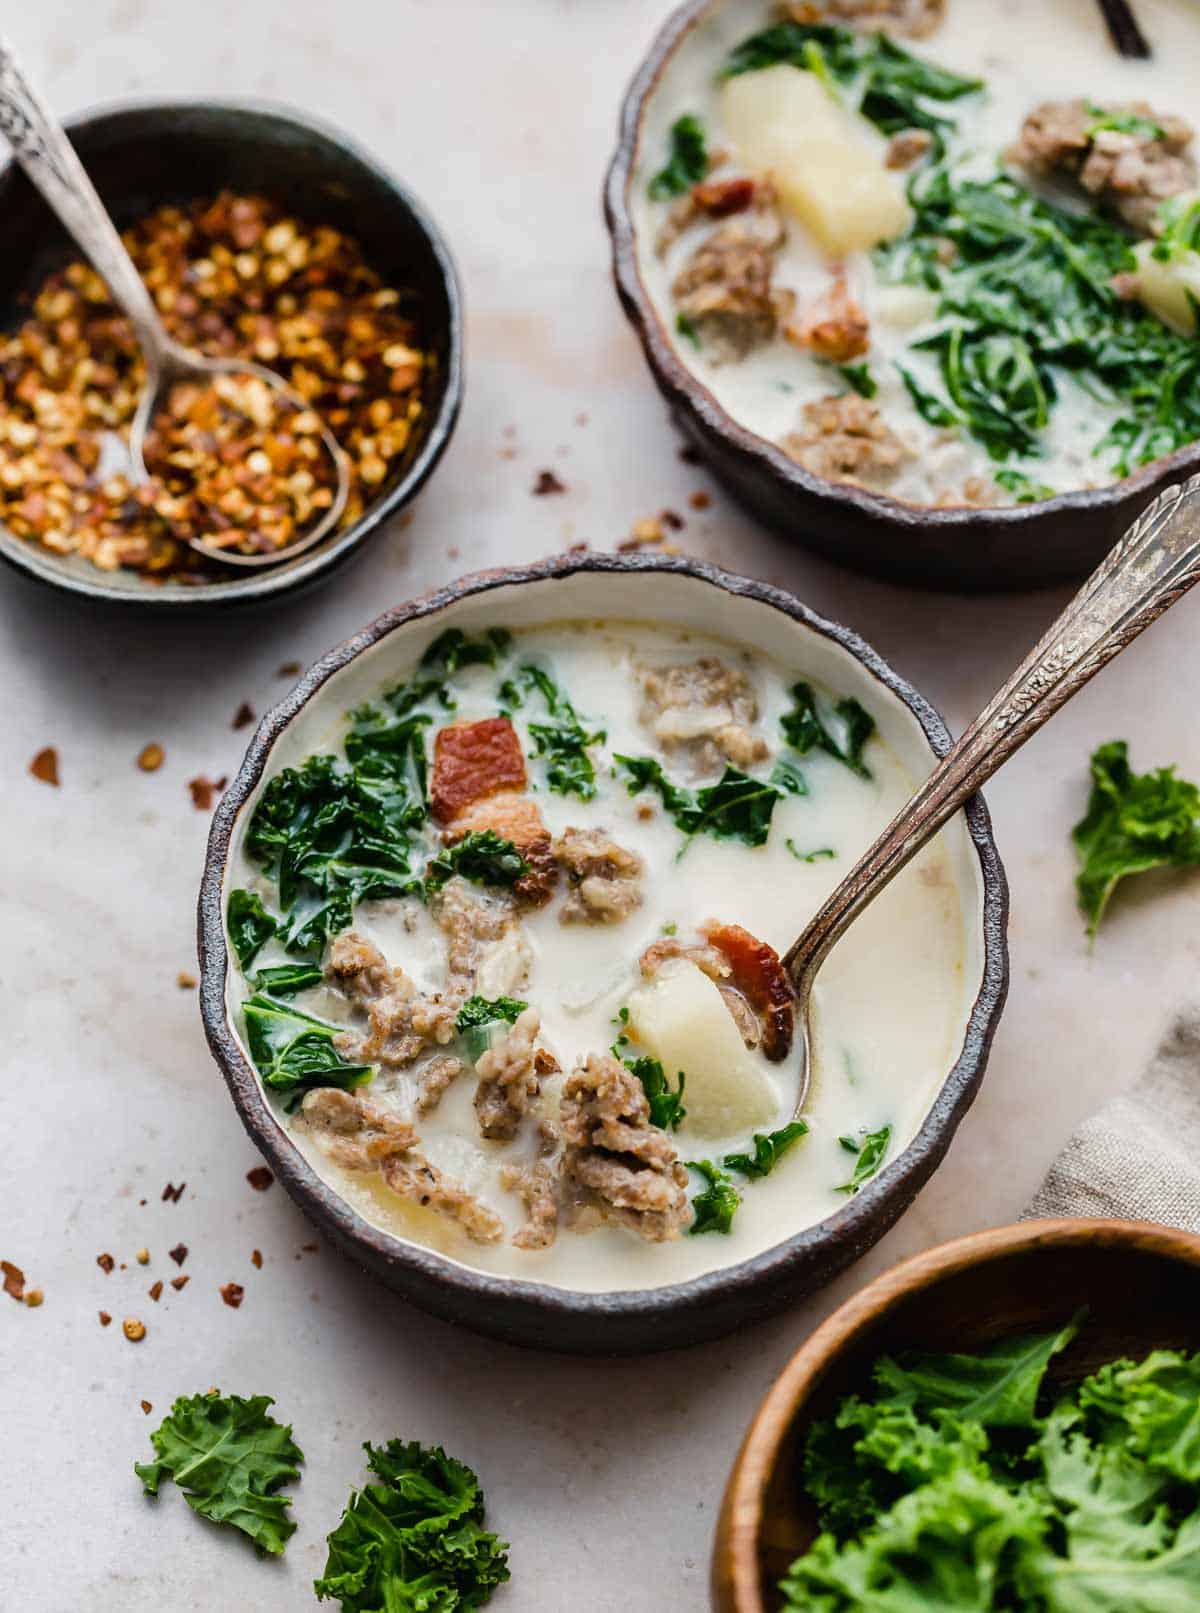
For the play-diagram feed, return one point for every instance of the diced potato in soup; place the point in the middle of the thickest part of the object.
(522, 975)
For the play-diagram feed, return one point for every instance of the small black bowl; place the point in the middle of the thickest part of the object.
(144, 156)
(1025, 546)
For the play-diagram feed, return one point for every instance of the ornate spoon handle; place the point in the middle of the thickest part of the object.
(1155, 563)
(48, 157)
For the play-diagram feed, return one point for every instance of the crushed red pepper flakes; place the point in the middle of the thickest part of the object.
(44, 765)
(143, 1257)
(548, 482)
(172, 1192)
(105, 1262)
(133, 1329)
(311, 1248)
(205, 791)
(700, 500)
(178, 1283)
(151, 757)
(287, 669)
(185, 982)
(146, 1406)
(155, 1291)
(105, 1318)
(256, 1259)
(260, 1178)
(672, 519)
(34, 1297)
(232, 1294)
(179, 1253)
(244, 715)
(14, 1279)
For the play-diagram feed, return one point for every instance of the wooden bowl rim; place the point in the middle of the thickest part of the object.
(736, 1549)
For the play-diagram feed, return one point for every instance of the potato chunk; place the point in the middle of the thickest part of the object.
(784, 121)
(1169, 290)
(681, 1019)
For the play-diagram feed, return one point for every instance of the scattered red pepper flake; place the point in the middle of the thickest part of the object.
(155, 1291)
(256, 1259)
(105, 1262)
(185, 982)
(700, 500)
(311, 1248)
(146, 1406)
(260, 1178)
(232, 1294)
(14, 1279)
(151, 758)
(205, 791)
(34, 1297)
(44, 765)
(133, 1330)
(179, 1253)
(672, 519)
(548, 482)
(105, 1318)
(244, 715)
(581, 419)
(172, 1192)
(178, 1283)
(287, 669)
(143, 1257)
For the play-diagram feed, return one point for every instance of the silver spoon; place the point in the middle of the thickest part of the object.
(41, 146)
(1153, 565)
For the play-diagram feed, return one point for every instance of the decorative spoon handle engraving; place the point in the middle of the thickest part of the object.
(1153, 565)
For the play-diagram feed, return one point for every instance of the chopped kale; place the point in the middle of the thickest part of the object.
(1179, 227)
(687, 162)
(485, 1011)
(250, 925)
(769, 1149)
(869, 1149)
(295, 1051)
(859, 378)
(714, 1208)
(687, 329)
(736, 807)
(806, 730)
(288, 979)
(666, 1104)
(931, 408)
(1122, 120)
(786, 776)
(821, 854)
(563, 740)
(1023, 488)
(1134, 821)
(482, 856)
(442, 659)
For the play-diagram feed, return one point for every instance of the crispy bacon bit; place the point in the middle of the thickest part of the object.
(548, 482)
(180, 1282)
(760, 976)
(44, 765)
(244, 715)
(833, 326)
(155, 1291)
(105, 1262)
(256, 1259)
(151, 758)
(178, 1253)
(718, 198)
(471, 761)
(14, 1279)
(205, 791)
(232, 1294)
(260, 1178)
(173, 1193)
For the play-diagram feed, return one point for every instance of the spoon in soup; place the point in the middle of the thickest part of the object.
(43, 150)
(1152, 566)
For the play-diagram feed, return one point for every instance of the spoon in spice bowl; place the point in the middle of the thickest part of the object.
(177, 379)
(1152, 566)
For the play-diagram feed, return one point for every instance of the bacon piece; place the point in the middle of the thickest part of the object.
(760, 976)
(718, 198)
(474, 760)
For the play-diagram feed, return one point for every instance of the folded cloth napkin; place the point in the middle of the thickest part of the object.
(1138, 1158)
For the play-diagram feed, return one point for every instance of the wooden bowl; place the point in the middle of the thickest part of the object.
(1139, 1283)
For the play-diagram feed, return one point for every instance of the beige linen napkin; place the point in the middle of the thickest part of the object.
(1138, 1157)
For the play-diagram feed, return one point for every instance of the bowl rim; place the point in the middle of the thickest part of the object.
(687, 394)
(254, 587)
(850, 1226)
(735, 1551)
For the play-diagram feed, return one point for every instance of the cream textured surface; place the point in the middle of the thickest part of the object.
(501, 116)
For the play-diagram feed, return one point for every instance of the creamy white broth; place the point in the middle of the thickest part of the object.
(1027, 52)
(891, 1003)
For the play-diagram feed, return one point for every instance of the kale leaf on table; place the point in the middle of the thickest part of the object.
(1134, 822)
(230, 1459)
(412, 1540)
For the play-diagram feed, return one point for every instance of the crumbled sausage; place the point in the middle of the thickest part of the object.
(621, 1167)
(724, 289)
(914, 18)
(706, 958)
(436, 1076)
(758, 974)
(473, 925)
(845, 440)
(414, 1178)
(352, 1130)
(539, 1187)
(1129, 173)
(907, 147)
(471, 761)
(508, 1081)
(706, 708)
(603, 877)
(833, 325)
(401, 1022)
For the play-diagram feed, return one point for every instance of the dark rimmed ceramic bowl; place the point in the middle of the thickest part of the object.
(1138, 1283)
(1027, 546)
(655, 590)
(143, 155)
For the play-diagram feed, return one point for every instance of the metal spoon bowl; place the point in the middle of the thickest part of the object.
(1152, 566)
(41, 146)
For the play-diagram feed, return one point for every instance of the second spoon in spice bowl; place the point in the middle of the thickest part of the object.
(280, 471)
(1152, 566)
